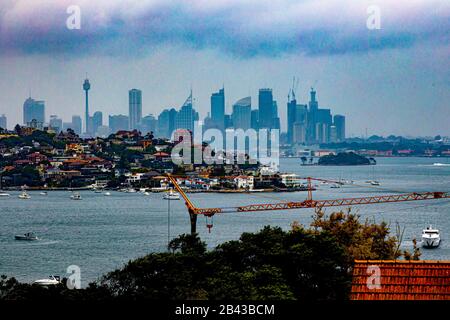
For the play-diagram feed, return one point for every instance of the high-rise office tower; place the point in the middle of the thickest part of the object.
(339, 123)
(312, 117)
(56, 123)
(266, 108)
(33, 110)
(148, 124)
(275, 118)
(118, 122)
(3, 122)
(291, 108)
(186, 116)
(218, 109)
(242, 114)
(77, 124)
(86, 88)
(97, 121)
(166, 123)
(255, 119)
(135, 108)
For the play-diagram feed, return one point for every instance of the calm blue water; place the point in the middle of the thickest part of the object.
(102, 233)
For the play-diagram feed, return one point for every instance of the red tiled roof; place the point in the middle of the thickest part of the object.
(401, 280)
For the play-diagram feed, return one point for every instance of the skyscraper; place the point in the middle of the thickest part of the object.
(255, 119)
(148, 124)
(275, 118)
(86, 88)
(118, 122)
(186, 116)
(56, 123)
(339, 123)
(266, 108)
(33, 109)
(166, 123)
(242, 114)
(3, 122)
(76, 124)
(135, 108)
(291, 108)
(218, 109)
(97, 121)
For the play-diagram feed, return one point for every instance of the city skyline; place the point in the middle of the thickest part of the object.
(400, 70)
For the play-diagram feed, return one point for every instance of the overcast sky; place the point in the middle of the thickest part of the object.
(393, 80)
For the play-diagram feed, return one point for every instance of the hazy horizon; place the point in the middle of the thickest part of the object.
(394, 80)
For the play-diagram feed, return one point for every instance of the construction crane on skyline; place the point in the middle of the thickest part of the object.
(309, 202)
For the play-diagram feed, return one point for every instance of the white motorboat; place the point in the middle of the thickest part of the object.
(44, 193)
(373, 182)
(4, 194)
(24, 195)
(107, 193)
(431, 238)
(50, 281)
(75, 196)
(171, 195)
(146, 193)
(29, 236)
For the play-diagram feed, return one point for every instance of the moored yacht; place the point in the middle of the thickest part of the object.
(430, 238)
(171, 195)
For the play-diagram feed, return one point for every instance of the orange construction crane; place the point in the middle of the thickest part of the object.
(308, 203)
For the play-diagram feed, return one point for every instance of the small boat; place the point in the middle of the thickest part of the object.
(335, 186)
(44, 193)
(27, 237)
(24, 195)
(146, 193)
(431, 238)
(50, 281)
(171, 195)
(75, 196)
(4, 194)
(107, 193)
(373, 183)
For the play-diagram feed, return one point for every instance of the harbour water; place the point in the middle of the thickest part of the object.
(101, 233)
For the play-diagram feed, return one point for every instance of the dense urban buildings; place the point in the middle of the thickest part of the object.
(307, 124)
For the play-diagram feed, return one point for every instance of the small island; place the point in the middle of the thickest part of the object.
(345, 159)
